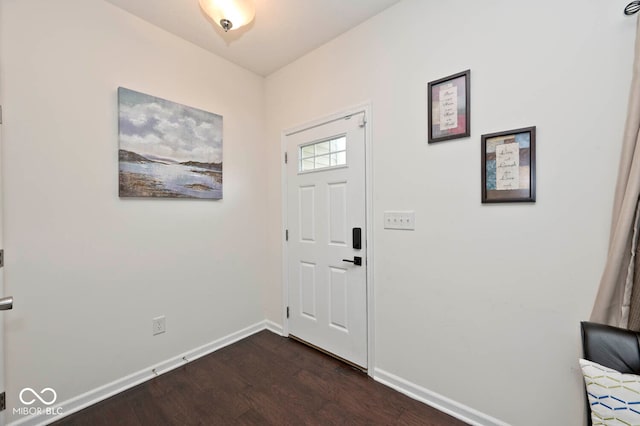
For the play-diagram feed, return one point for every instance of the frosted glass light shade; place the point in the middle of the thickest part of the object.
(229, 14)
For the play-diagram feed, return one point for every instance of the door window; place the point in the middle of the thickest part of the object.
(323, 154)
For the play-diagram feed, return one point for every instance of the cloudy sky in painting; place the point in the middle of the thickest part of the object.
(155, 127)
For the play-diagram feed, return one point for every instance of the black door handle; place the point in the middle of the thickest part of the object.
(357, 260)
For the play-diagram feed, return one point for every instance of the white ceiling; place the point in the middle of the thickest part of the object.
(282, 31)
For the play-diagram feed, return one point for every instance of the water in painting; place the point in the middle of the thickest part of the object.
(168, 149)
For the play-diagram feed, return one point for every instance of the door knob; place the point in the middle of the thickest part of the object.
(357, 260)
(6, 303)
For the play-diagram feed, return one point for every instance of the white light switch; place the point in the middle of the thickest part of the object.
(400, 220)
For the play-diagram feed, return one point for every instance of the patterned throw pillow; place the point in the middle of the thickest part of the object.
(614, 397)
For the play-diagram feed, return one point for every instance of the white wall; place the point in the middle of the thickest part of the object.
(481, 303)
(89, 270)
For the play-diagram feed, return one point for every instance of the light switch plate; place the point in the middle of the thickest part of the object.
(400, 220)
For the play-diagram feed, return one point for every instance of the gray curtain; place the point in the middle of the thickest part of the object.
(616, 296)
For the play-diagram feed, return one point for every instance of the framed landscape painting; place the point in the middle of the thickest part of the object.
(167, 150)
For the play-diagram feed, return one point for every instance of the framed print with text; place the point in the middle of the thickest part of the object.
(509, 166)
(448, 101)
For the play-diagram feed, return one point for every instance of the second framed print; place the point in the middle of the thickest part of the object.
(448, 107)
(509, 166)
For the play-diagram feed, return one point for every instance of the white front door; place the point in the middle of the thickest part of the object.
(326, 221)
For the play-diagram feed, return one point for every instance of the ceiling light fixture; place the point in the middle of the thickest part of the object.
(229, 14)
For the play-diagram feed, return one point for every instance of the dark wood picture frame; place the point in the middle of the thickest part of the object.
(461, 109)
(504, 167)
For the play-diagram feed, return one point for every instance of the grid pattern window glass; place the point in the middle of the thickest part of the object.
(321, 155)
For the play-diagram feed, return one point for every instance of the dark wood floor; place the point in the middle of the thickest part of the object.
(262, 380)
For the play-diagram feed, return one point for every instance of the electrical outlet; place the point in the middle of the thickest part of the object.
(158, 325)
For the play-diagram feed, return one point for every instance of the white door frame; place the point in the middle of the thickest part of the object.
(366, 108)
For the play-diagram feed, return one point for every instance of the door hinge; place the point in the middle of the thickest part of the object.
(286, 158)
(0, 114)
(3, 401)
(286, 235)
(287, 317)
(1, 258)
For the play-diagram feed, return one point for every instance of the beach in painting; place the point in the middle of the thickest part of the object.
(167, 149)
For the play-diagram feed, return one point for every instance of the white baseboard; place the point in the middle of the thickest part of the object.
(442, 403)
(274, 328)
(435, 400)
(99, 394)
